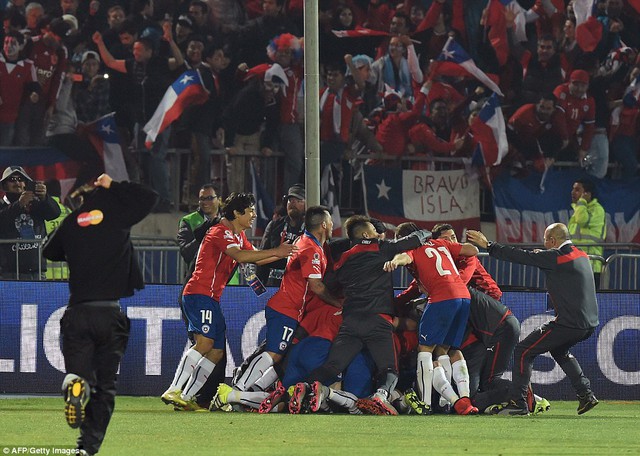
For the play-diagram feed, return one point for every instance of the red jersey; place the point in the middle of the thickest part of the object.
(289, 99)
(336, 113)
(50, 67)
(213, 266)
(577, 111)
(473, 273)
(529, 128)
(308, 262)
(323, 321)
(436, 270)
(13, 79)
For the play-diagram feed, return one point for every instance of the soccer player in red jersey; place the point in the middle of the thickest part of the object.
(444, 320)
(301, 287)
(224, 245)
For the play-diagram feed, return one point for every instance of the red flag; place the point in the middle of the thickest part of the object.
(497, 26)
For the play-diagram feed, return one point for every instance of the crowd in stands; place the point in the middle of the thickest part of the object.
(384, 91)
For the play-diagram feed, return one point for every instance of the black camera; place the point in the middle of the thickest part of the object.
(30, 185)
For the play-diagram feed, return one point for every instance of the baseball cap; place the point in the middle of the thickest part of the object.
(579, 76)
(297, 191)
(11, 170)
(71, 20)
(60, 27)
(185, 21)
(90, 55)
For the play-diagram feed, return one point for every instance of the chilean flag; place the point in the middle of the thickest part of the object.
(588, 28)
(359, 32)
(104, 136)
(454, 61)
(489, 130)
(187, 90)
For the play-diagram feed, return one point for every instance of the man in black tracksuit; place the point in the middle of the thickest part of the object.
(368, 306)
(95, 242)
(571, 288)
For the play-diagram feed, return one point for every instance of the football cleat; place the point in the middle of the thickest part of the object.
(221, 397)
(463, 406)
(75, 398)
(296, 405)
(173, 398)
(511, 408)
(541, 406)
(586, 403)
(385, 405)
(276, 397)
(416, 406)
(319, 394)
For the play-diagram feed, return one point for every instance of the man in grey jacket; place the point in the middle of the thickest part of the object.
(572, 294)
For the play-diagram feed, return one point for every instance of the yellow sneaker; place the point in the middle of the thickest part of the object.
(173, 397)
(75, 398)
(221, 397)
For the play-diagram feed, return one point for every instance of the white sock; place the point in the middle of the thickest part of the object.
(254, 371)
(185, 368)
(424, 376)
(442, 386)
(266, 380)
(198, 377)
(461, 377)
(248, 398)
(343, 399)
(445, 362)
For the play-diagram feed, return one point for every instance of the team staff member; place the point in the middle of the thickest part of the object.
(572, 293)
(367, 308)
(224, 245)
(95, 242)
(285, 229)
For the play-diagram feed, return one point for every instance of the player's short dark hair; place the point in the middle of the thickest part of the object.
(147, 42)
(438, 229)
(588, 186)
(356, 225)
(406, 228)
(212, 47)
(314, 216)
(548, 96)
(237, 202)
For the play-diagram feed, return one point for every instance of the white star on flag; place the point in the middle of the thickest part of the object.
(107, 129)
(448, 54)
(187, 78)
(383, 190)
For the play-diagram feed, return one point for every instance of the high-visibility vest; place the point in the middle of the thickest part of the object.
(588, 226)
(57, 270)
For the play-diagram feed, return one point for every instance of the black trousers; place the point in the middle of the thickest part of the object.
(357, 332)
(488, 358)
(557, 340)
(94, 338)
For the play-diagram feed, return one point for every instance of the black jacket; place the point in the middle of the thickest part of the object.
(569, 280)
(19, 223)
(368, 289)
(277, 232)
(95, 242)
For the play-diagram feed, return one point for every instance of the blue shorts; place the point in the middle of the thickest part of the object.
(305, 356)
(205, 317)
(444, 322)
(357, 378)
(280, 329)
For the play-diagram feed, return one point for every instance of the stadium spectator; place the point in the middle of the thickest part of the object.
(199, 14)
(624, 128)
(572, 294)
(56, 270)
(18, 81)
(397, 71)
(94, 329)
(284, 229)
(224, 246)
(579, 110)
(24, 209)
(150, 74)
(91, 93)
(588, 224)
(49, 57)
(34, 12)
(62, 134)
(537, 133)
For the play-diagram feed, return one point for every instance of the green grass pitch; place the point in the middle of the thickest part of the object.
(145, 426)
